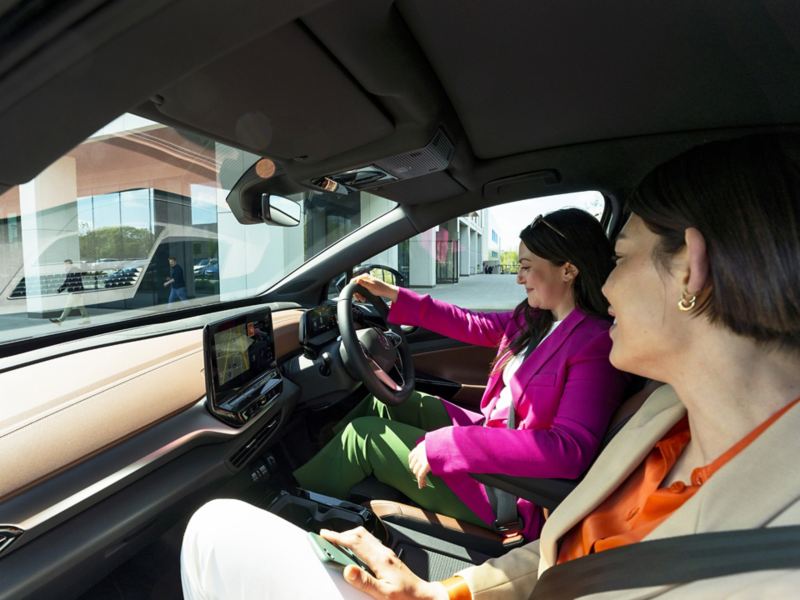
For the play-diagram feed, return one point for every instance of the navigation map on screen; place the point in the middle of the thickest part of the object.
(232, 349)
(239, 351)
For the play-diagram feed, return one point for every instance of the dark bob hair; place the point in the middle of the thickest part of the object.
(743, 195)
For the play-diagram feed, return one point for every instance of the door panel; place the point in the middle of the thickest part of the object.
(450, 369)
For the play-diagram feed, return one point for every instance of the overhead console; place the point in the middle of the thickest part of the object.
(242, 377)
(436, 156)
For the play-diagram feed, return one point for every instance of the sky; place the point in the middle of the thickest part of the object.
(509, 219)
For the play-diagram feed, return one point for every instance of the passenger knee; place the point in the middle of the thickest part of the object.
(209, 516)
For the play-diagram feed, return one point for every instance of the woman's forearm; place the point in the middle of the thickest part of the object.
(468, 326)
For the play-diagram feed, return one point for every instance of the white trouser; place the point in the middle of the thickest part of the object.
(233, 551)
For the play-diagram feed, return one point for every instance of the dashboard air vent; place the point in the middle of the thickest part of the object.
(8, 535)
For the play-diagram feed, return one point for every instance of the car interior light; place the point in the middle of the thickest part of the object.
(265, 168)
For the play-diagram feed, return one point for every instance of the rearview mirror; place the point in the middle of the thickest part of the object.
(277, 210)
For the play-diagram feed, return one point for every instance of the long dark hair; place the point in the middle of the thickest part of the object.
(743, 195)
(575, 237)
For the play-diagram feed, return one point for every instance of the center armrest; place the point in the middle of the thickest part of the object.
(546, 493)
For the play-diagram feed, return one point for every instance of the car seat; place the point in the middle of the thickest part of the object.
(434, 545)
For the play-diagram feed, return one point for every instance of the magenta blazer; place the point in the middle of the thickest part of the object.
(564, 394)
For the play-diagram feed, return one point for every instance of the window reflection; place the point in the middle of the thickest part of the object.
(131, 196)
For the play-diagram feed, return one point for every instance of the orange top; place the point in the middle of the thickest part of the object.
(457, 588)
(639, 505)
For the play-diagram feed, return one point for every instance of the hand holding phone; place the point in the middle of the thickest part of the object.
(334, 555)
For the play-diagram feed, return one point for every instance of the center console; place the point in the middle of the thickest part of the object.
(312, 511)
(427, 549)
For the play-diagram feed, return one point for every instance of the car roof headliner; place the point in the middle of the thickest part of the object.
(595, 92)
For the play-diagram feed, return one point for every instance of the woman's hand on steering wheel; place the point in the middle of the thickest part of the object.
(376, 287)
(393, 579)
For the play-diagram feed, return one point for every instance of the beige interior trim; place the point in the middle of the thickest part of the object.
(58, 412)
(386, 509)
(286, 328)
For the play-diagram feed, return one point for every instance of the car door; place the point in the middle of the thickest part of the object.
(469, 261)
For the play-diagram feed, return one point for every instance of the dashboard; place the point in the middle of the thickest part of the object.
(165, 417)
(158, 421)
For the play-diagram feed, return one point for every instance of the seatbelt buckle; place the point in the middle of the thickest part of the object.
(510, 527)
(511, 532)
(512, 540)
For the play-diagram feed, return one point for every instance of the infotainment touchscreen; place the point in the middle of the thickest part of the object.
(239, 352)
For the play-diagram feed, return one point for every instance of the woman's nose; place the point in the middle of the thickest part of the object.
(604, 290)
(520, 280)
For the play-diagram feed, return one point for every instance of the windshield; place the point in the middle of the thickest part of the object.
(133, 221)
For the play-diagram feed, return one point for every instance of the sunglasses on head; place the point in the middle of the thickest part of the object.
(541, 219)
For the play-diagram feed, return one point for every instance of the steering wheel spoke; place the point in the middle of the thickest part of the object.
(384, 377)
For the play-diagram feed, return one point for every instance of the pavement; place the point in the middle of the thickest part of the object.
(490, 292)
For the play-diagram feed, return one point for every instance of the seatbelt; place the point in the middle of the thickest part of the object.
(504, 504)
(672, 561)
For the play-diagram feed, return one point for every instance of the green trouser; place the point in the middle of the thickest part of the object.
(375, 439)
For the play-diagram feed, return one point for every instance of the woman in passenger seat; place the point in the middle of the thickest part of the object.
(706, 294)
(551, 370)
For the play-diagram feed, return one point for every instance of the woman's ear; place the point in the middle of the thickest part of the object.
(697, 257)
(569, 272)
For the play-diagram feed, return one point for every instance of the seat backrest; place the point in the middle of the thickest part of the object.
(627, 409)
(548, 493)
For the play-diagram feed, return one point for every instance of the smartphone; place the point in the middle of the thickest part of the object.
(334, 555)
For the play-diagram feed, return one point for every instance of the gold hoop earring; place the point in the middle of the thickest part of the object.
(687, 301)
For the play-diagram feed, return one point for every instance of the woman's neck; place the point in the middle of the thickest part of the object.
(726, 374)
(563, 309)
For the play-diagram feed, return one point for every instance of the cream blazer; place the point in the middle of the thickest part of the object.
(760, 487)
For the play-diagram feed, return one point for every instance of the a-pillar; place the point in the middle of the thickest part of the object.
(49, 225)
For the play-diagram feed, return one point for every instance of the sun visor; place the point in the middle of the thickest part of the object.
(281, 95)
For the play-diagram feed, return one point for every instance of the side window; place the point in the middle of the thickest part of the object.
(472, 260)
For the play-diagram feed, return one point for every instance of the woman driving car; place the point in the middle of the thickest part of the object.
(551, 377)
(706, 297)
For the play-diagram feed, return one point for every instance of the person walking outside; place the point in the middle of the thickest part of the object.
(73, 283)
(176, 280)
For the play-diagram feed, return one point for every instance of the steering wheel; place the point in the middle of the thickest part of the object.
(377, 355)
